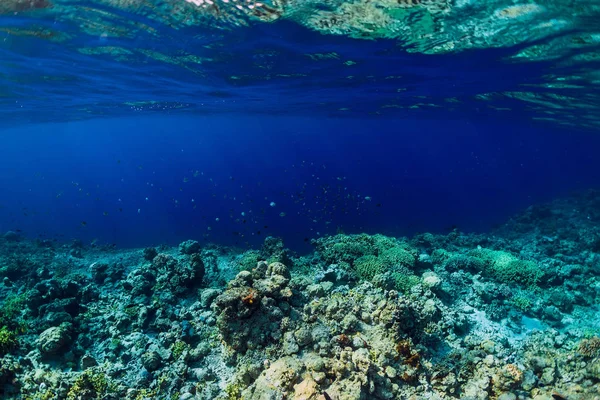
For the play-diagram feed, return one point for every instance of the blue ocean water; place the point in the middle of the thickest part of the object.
(160, 179)
(124, 126)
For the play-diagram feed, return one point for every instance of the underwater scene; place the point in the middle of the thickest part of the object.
(300, 199)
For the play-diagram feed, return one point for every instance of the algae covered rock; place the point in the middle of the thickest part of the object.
(8, 340)
(11, 236)
(273, 250)
(276, 381)
(189, 247)
(151, 360)
(149, 253)
(251, 308)
(207, 296)
(54, 339)
(140, 282)
(178, 274)
(103, 272)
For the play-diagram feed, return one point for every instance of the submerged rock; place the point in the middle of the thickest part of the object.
(54, 339)
(11, 236)
(189, 247)
(251, 309)
(151, 360)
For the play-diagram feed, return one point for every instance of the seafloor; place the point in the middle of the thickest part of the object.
(512, 314)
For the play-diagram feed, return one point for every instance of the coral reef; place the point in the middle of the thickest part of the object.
(251, 309)
(508, 315)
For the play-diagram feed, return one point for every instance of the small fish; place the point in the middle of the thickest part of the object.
(557, 396)
(83, 223)
(105, 213)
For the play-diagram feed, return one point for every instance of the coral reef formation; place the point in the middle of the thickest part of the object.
(513, 314)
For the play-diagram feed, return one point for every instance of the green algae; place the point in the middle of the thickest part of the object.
(90, 384)
(8, 340)
(179, 347)
(522, 303)
(10, 313)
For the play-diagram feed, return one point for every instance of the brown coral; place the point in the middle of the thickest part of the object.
(589, 348)
(411, 356)
(343, 340)
(403, 348)
(514, 372)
